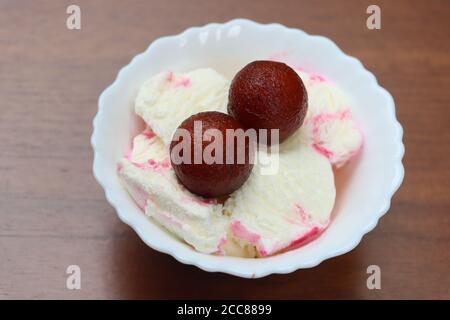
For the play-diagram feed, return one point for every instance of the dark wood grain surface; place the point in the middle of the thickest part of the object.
(54, 214)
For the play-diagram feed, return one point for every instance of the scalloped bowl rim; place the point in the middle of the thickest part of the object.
(225, 264)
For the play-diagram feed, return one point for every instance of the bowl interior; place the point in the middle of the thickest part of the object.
(361, 186)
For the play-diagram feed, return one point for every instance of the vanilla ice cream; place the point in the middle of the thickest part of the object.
(329, 126)
(274, 212)
(269, 213)
(149, 178)
(168, 98)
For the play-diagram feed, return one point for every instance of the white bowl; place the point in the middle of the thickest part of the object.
(364, 188)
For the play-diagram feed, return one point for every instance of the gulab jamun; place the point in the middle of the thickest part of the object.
(207, 156)
(268, 95)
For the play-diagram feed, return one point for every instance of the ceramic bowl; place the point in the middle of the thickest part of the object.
(364, 187)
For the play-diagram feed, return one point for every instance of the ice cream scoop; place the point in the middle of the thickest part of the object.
(168, 98)
(329, 126)
(149, 178)
(283, 210)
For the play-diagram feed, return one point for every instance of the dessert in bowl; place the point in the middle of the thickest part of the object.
(289, 220)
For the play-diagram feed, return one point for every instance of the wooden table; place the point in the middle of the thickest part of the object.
(54, 214)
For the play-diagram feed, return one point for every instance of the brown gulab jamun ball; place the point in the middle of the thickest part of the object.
(205, 178)
(268, 95)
